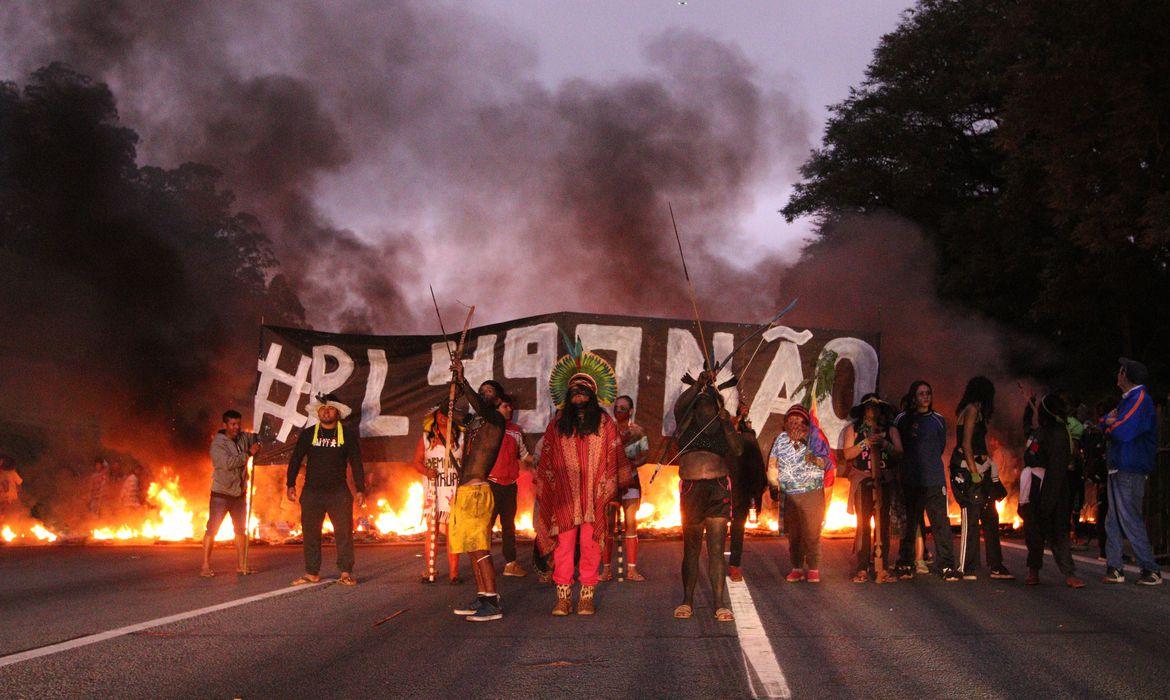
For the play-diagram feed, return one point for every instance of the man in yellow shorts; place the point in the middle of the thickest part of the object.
(471, 511)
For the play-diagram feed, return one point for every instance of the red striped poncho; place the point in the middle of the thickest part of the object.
(575, 479)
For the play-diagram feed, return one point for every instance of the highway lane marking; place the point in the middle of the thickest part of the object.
(758, 654)
(1129, 568)
(158, 622)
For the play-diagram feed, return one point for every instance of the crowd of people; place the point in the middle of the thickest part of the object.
(587, 486)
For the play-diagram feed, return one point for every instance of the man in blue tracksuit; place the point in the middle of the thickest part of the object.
(1132, 431)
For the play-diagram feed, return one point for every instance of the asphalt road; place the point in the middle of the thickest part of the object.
(918, 639)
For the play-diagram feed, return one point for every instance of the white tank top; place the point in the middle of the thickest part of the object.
(448, 480)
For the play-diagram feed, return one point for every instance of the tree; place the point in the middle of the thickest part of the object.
(132, 293)
(1026, 140)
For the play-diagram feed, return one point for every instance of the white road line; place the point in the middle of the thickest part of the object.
(757, 651)
(130, 629)
(1077, 557)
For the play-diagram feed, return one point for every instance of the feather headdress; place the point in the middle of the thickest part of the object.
(580, 365)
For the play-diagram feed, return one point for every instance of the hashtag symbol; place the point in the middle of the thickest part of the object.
(297, 383)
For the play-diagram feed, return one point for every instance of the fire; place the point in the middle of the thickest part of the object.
(170, 517)
(27, 531)
(660, 507)
(407, 520)
(42, 533)
(169, 520)
(837, 516)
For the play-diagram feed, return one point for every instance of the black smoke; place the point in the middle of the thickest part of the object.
(385, 145)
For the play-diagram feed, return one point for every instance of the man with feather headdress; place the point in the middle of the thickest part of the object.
(582, 464)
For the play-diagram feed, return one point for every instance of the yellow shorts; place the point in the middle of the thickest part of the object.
(471, 516)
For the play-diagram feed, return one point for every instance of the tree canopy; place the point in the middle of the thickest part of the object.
(138, 284)
(1027, 138)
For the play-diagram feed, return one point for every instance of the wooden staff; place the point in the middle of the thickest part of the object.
(691, 288)
(875, 469)
(619, 534)
(458, 352)
(250, 468)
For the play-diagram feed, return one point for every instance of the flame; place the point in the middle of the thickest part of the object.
(42, 533)
(837, 516)
(27, 531)
(663, 510)
(169, 520)
(169, 516)
(407, 520)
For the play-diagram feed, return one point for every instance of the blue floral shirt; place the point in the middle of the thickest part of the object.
(795, 472)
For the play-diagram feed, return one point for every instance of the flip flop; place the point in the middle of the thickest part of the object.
(455, 581)
(246, 572)
(347, 580)
(683, 612)
(304, 580)
(724, 615)
(207, 574)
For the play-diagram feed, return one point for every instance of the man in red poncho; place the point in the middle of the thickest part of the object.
(581, 465)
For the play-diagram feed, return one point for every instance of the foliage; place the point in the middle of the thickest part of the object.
(1028, 140)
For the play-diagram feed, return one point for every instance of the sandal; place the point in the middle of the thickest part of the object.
(455, 580)
(861, 577)
(306, 579)
(724, 615)
(347, 580)
(208, 573)
(683, 612)
(246, 572)
(633, 575)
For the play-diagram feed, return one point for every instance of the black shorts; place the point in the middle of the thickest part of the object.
(704, 498)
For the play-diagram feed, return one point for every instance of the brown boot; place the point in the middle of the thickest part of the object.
(606, 573)
(564, 604)
(585, 603)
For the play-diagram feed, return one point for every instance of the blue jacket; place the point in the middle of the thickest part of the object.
(924, 439)
(1133, 439)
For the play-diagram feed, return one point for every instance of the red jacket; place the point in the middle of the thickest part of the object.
(506, 470)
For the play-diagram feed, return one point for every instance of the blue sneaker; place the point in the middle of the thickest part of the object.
(489, 609)
(471, 609)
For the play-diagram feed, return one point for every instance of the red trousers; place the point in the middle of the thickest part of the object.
(566, 548)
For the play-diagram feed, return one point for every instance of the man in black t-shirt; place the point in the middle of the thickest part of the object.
(326, 449)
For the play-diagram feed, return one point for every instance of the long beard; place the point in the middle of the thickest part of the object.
(583, 420)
